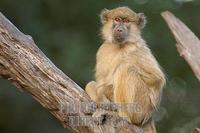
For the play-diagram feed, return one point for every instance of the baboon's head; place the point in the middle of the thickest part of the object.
(121, 25)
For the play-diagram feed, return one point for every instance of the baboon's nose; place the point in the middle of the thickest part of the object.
(119, 30)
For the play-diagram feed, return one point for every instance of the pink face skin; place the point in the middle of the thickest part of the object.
(121, 28)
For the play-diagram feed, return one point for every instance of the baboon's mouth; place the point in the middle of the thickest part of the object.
(119, 38)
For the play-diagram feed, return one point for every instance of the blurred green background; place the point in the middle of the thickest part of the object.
(67, 31)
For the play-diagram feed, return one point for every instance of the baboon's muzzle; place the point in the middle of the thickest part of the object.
(120, 33)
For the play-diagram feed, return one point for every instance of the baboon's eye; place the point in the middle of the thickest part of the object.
(117, 19)
(126, 20)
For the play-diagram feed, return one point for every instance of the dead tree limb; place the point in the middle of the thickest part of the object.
(24, 64)
(188, 45)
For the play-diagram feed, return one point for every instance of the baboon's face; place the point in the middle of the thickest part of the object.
(120, 29)
(121, 25)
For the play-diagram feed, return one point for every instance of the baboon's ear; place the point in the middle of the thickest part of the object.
(141, 20)
(103, 16)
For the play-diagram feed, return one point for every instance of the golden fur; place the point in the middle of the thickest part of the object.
(127, 73)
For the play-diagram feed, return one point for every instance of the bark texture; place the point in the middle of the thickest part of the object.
(188, 45)
(24, 64)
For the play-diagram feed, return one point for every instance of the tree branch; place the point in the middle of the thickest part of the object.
(188, 45)
(24, 64)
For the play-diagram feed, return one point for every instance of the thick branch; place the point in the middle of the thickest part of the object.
(23, 63)
(188, 45)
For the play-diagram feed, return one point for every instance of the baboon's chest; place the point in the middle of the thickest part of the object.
(110, 57)
(109, 62)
